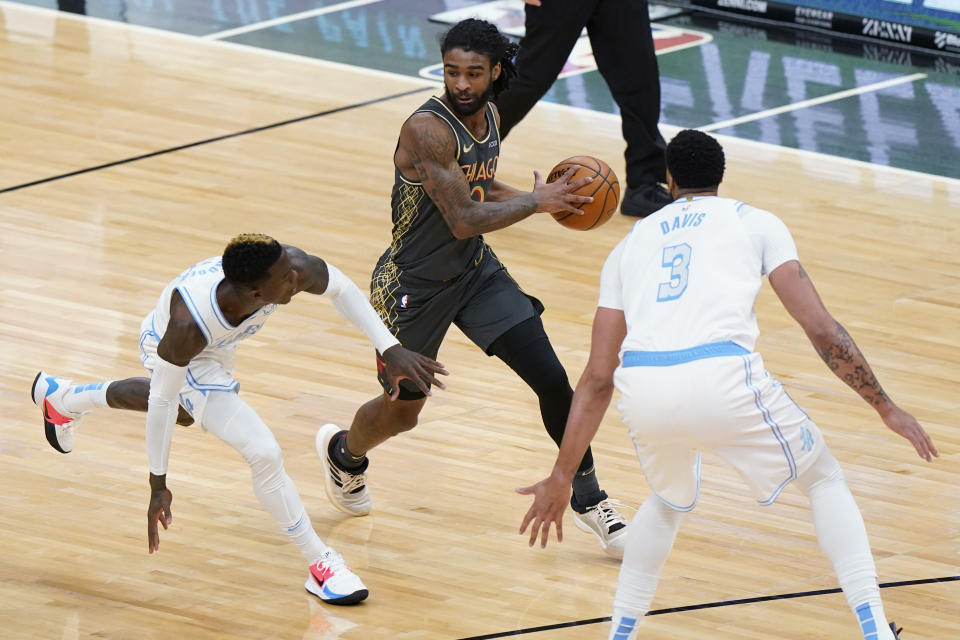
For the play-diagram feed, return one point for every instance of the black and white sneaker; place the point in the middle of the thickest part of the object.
(347, 491)
(603, 521)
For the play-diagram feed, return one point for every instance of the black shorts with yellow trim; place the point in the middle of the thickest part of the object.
(484, 302)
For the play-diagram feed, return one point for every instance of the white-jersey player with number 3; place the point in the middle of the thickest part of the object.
(674, 332)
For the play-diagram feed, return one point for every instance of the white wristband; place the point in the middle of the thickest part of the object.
(353, 305)
(162, 407)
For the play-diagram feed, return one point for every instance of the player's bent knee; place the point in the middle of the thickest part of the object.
(403, 423)
(263, 455)
(397, 416)
(825, 469)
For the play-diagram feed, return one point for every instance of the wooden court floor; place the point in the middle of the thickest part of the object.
(82, 259)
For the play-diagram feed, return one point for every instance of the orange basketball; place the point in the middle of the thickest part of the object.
(605, 190)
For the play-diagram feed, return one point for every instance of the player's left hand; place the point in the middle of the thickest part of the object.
(402, 363)
(158, 512)
(550, 499)
(904, 424)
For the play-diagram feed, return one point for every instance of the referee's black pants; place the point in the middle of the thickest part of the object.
(622, 44)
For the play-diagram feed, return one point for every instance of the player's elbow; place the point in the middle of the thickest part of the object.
(821, 330)
(597, 381)
(462, 231)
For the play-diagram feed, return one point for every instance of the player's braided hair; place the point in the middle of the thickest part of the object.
(484, 38)
(248, 257)
(695, 160)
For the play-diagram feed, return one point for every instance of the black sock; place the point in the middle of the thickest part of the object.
(590, 501)
(586, 490)
(342, 457)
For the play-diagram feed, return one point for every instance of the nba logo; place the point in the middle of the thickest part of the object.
(403, 301)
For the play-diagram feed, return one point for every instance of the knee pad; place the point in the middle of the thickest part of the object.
(263, 454)
(824, 470)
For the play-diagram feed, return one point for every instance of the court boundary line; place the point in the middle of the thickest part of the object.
(143, 156)
(329, 64)
(707, 605)
(803, 104)
(293, 17)
(819, 155)
(239, 46)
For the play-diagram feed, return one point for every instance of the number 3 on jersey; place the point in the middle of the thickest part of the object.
(677, 259)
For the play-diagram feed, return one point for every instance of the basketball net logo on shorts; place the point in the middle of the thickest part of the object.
(806, 437)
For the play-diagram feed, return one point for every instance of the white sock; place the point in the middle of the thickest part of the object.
(84, 397)
(843, 538)
(650, 538)
(623, 626)
(306, 539)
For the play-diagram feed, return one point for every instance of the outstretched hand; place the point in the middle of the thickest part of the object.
(904, 424)
(158, 511)
(558, 196)
(550, 499)
(402, 364)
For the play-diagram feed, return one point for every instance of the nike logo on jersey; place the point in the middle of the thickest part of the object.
(467, 147)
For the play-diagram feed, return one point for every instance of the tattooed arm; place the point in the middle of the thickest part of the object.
(427, 153)
(840, 352)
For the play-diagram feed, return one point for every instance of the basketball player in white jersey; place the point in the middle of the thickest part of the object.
(188, 343)
(674, 332)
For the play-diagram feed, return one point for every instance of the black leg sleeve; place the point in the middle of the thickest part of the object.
(526, 349)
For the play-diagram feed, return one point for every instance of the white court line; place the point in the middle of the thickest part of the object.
(223, 44)
(668, 130)
(413, 80)
(839, 95)
(293, 17)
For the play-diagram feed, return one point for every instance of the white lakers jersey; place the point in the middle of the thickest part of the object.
(198, 289)
(690, 273)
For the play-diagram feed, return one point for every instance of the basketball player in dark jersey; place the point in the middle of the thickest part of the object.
(438, 270)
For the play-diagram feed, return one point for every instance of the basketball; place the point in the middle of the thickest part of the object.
(605, 190)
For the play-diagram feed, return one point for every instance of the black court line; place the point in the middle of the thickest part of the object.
(217, 139)
(707, 605)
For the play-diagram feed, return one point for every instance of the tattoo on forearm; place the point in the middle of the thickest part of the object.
(802, 273)
(431, 158)
(846, 361)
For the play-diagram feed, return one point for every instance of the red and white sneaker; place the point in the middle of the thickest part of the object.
(332, 581)
(58, 423)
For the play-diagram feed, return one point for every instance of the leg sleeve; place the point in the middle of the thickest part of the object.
(232, 420)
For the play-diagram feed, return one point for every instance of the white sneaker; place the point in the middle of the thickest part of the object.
(332, 581)
(347, 491)
(603, 521)
(58, 423)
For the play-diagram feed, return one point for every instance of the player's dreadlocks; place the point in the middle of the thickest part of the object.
(248, 257)
(484, 38)
(695, 160)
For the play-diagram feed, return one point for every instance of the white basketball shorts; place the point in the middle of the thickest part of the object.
(717, 397)
(205, 373)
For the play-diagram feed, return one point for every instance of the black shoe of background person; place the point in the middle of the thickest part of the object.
(643, 200)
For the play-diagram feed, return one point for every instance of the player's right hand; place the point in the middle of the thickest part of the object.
(904, 424)
(402, 363)
(158, 511)
(557, 196)
(551, 497)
